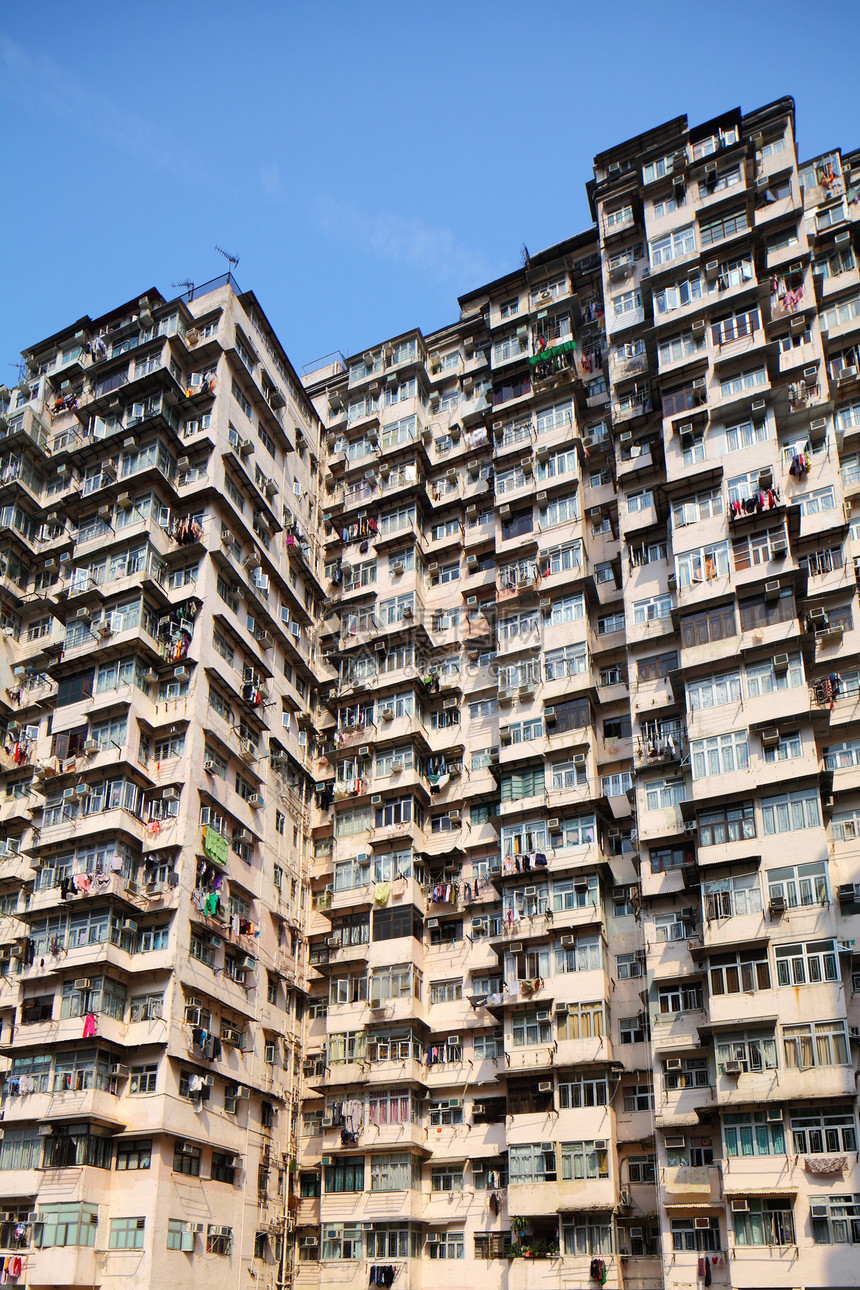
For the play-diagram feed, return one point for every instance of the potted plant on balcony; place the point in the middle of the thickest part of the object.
(519, 1224)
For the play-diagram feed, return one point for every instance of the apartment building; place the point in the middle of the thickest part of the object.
(581, 960)
(160, 474)
(432, 787)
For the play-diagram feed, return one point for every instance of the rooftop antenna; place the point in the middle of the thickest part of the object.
(233, 259)
(189, 287)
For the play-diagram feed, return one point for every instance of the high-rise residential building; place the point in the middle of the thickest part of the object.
(433, 787)
(160, 479)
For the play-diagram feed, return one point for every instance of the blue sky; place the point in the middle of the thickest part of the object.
(368, 163)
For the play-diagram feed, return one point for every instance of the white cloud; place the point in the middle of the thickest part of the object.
(402, 239)
(40, 85)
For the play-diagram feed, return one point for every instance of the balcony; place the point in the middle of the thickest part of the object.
(692, 1185)
(542, 1198)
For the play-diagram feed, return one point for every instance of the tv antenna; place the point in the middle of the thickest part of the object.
(233, 259)
(189, 286)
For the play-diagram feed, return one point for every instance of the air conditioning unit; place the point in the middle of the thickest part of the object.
(771, 590)
(674, 1064)
(185, 1148)
(740, 1206)
(387, 714)
(432, 922)
(624, 1198)
(545, 1086)
(171, 795)
(82, 983)
(780, 664)
(702, 1224)
(516, 947)
(733, 1068)
(579, 759)
(770, 737)
(255, 801)
(676, 1143)
(376, 800)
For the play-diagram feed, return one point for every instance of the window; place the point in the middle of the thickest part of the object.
(728, 824)
(638, 1097)
(841, 1223)
(759, 612)
(655, 607)
(144, 1079)
(682, 241)
(632, 1030)
(529, 1163)
(823, 1043)
(186, 1161)
(656, 667)
(739, 972)
(582, 1021)
(806, 963)
(446, 1245)
(693, 1073)
(126, 1233)
(446, 991)
(766, 1222)
(714, 230)
(762, 679)
(662, 794)
(674, 999)
(586, 1235)
(393, 1172)
(627, 303)
(446, 1178)
(713, 691)
(708, 627)
(755, 1133)
(719, 755)
(66, 1224)
(583, 1160)
(677, 295)
(827, 1131)
(345, 1175)
(792, 811)
(688, 1235)
(629, 966)
(642, 1169)
(492, 1245)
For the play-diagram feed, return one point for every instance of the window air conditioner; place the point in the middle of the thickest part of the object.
(545, 1086)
